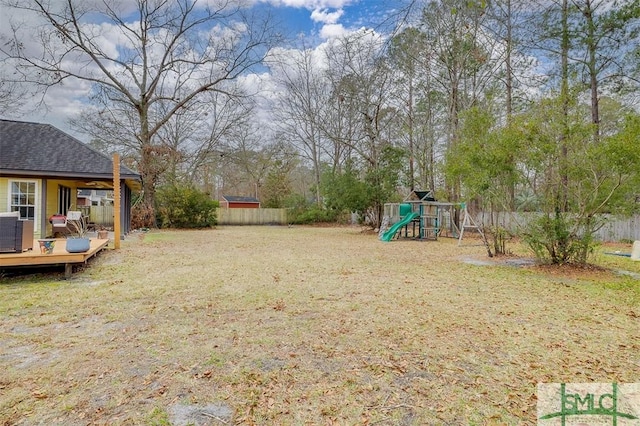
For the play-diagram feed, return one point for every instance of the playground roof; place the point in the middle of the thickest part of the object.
(416, 195)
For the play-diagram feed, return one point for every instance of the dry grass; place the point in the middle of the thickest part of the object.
(293, 326)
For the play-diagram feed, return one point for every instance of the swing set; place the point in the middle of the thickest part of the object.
(421, 217)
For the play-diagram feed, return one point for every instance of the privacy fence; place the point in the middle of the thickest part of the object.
(615, 228)
(98, 215)
(252, 216)
(103, 216)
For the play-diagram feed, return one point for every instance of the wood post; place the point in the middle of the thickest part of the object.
(116, 201)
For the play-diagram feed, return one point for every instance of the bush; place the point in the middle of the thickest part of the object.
(301, 211)
(313, 214)
(185, 207)
(561, 239)
(142, 216)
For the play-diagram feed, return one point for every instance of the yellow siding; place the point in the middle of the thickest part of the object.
(52, 198)
(4, 194)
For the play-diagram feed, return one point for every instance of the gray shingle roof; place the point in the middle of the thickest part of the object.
(233, 198)
(43, 150)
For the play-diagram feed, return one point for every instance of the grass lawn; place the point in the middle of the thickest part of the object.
(308, 326)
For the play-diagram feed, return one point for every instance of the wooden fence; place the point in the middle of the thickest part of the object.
(103, 216)
(100, 215)
(615, 229)
(252, 216)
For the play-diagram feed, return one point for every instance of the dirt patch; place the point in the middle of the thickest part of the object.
(515, 261)
(577, 272)
(191, 415)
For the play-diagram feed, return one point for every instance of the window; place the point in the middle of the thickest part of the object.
(64, 199)
(23, 199)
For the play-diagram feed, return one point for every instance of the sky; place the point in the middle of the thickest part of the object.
(315, 20)
(331, 18)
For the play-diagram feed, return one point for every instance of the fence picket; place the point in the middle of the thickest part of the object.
(252, 216)
(616, 228)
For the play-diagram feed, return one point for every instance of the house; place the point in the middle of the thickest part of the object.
(42, 169)
(233, 202)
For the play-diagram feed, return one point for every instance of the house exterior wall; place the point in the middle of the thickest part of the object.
(52, 199)
(239, 205)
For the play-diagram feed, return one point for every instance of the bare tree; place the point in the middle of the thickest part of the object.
(303, 96)
(144, 65)
(11, 97)
(361, 117)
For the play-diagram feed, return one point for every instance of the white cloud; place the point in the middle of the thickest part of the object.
(333, 31)
(326, 17)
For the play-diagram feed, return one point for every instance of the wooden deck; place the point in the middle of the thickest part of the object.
(59, 256)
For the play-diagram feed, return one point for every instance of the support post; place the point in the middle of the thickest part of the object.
(116, 201)
(68, 270)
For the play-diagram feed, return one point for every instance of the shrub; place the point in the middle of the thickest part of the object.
(561, 239)
(185, 207)
(142, 216)
(301, 211)
(313, 214)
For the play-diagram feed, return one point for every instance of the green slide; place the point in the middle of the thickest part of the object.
(388, 236)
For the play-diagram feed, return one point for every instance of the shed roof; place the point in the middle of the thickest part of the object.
(38, 149)
(236, 199)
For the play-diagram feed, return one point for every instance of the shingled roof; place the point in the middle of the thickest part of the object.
(236, 199)
(41, 150)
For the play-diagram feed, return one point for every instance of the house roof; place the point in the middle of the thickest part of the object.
(235, 199)
(42, 150)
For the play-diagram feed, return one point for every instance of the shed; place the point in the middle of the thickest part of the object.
(236, 202)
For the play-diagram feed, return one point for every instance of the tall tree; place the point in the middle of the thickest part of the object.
(152, 61)
(462, 63)
(362, 88)
(506, 23)
(603, 32)
(552, 37)
(485, 160)
(409, 53)
(589, 41)
(304, 94)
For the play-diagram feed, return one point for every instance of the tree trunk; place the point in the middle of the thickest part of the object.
(411, 143)
(564, 95)
(593, 72)
(148, 170)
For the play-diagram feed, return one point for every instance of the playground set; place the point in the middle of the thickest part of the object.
(421, 217)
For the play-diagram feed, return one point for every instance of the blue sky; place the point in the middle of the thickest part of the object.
(317, 20)
(323, 19)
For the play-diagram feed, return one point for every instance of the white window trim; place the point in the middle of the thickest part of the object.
(36, 206)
